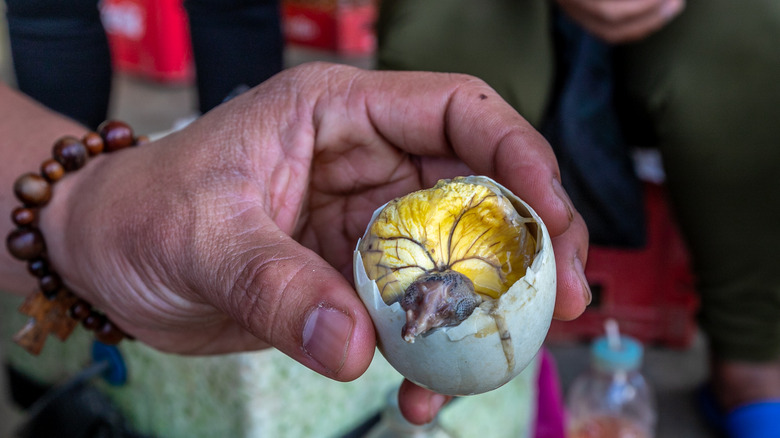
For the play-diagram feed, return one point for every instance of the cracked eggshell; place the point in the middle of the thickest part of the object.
(470, 358)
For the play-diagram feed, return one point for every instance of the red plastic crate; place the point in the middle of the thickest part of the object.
(339, 26)
(649, 291)
(149, 38)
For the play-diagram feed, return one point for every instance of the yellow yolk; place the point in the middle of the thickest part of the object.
(466, 227)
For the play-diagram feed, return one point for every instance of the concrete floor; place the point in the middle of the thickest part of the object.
(153, 107)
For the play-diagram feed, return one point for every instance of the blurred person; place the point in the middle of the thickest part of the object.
(699, 81)
(61, 55)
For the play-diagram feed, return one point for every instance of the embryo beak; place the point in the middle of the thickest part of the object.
(438, 299)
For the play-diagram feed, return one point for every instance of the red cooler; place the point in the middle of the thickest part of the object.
(649, 291)
(344, 27)
(149, 38)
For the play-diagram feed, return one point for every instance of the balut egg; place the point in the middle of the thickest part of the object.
(459, 280)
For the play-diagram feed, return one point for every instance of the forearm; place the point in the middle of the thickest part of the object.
(28, 132)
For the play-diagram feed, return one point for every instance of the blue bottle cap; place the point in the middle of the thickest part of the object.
(627, 357)
(116, 371)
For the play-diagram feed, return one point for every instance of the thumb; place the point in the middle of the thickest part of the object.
(289, 297)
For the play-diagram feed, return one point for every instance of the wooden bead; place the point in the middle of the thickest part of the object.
(71, 153)
(116, 135)
(50, 285)
(94, 143)
(93, 321)
(23, 216)
(26, 243)
(108, 333)
(38, 268)
(32, 190)
(80, 310)
(52, 170)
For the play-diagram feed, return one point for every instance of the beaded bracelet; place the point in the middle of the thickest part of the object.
(54, 308)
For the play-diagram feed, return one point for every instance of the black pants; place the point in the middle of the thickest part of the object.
(61, 56)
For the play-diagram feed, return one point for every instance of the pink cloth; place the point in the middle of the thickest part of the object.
(549, 404)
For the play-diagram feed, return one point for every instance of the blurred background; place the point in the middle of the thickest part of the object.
(648, 291)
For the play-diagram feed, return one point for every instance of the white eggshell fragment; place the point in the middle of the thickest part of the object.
(472, 358)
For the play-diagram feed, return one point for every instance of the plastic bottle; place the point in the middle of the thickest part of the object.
(612, 398)
(393, 425)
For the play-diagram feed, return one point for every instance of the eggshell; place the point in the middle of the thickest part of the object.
(470, 358)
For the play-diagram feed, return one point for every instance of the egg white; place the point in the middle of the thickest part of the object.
(471, 358)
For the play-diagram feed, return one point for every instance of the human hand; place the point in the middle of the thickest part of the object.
(622, 21)
(237, 232)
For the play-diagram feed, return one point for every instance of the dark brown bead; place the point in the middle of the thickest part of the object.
(23, 216)
(52, 170)
(71, 153)
(116, 135)
(38, 268)
(33, 190)
(25, 243)
(50, 284)
(108, 333)
(94, 143)
(80, 310)
(93, 321)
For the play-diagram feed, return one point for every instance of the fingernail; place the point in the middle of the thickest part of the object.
(564, 197)
(326, 336)
(585, 286)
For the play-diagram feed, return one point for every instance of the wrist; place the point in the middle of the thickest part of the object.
(60, 219)
(54, 308)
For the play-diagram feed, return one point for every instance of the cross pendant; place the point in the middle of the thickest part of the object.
(46, 316)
